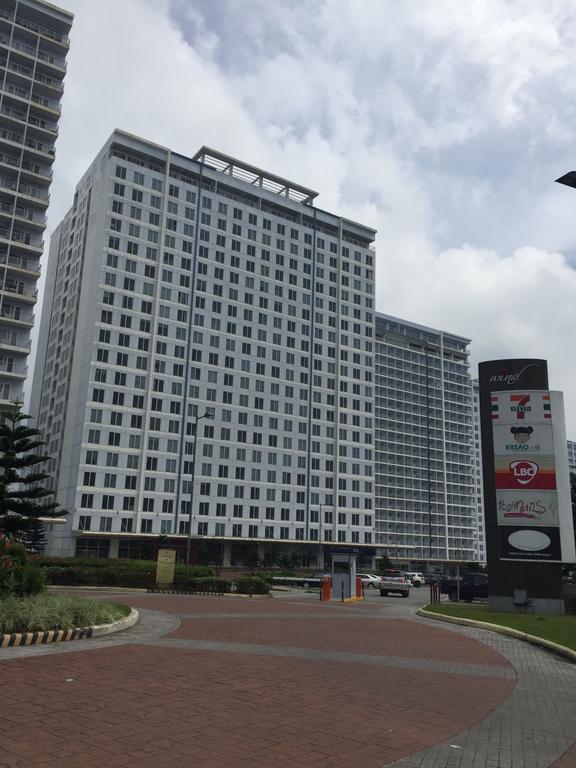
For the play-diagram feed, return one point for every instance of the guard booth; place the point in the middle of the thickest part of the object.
(343, 575)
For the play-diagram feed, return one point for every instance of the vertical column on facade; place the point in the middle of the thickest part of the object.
(336, 488)
(179, 477)
(150, 372)
(310, 378)
(444, 471)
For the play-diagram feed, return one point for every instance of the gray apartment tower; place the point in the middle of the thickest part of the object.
(33, 48)
(183, 286)
(425, 463)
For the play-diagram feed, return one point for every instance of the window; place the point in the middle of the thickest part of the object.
(84, 522)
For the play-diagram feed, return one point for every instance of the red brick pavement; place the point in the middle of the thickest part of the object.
(147, 706)
(388, 637)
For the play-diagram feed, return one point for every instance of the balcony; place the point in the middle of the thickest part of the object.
(11, 314)
(29, 50)
(44, 125)
(7, 371)
(14, 114)
(26, 165)
(51, 34)
(20, 263)
(20, 237)
(14, 341)
(35, 192)
(17, 290)
(39, 78)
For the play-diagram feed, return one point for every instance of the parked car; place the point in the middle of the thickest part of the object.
(416, 579)
(394, 581)
(432, 578)
(369, 580)
(472, 586)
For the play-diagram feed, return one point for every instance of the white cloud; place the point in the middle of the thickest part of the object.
(440, 122)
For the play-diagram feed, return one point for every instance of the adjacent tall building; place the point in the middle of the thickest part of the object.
(425, 460)
(180, 287)
(33, 48)
(571, 446)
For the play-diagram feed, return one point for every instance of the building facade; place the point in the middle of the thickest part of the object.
(426, 509)
(571, 446)
(33, 47)
(180, 287)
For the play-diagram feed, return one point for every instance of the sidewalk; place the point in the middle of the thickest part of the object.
(222, 683)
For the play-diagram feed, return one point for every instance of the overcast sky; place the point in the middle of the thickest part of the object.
(441, 123)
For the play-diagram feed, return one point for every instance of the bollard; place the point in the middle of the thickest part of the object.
(342, 599)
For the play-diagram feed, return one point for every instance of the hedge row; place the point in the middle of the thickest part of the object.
(113, 573)
(142, 573)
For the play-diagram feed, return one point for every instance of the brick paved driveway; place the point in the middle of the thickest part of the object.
(232, 683)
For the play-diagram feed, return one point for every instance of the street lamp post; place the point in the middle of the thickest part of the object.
(197, 418)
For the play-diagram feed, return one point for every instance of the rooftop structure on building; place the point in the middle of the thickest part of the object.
(426, 509)
(183, 285)
(33, 48)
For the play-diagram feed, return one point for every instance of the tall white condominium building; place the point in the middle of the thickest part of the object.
(178, 286)
(571, 446)
(33, 48)
(425, 470)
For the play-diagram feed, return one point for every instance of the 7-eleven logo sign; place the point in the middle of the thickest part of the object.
(520, 405)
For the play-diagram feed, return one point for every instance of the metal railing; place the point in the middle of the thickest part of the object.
(18, 236)
(56, 61)
(27, 189)
(38, 28)
(17, 261)
(14, 313)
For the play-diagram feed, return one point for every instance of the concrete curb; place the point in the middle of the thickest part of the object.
(17, 639)
(548, 645)
(203, 594)
(79, 588)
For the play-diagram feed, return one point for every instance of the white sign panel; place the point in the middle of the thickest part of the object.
(527, 508)
(533, 503)
(523, 439)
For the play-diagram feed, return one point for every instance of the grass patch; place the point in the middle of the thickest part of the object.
(44, 612)
(556, 628)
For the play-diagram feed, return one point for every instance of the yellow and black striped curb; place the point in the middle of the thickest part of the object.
(39, 638)
(541, 642)
(17, 639)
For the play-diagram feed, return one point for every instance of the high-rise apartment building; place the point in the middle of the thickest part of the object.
(425, 476)
(180, 286)
(571, 446)
(33, 48)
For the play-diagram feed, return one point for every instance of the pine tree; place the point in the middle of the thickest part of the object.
(34, 537)
(23, 499)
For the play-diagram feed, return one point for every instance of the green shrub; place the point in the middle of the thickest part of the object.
(252, 585)
(19, 573)
(112, 573)
(46, 612)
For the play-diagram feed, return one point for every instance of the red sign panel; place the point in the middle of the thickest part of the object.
(534, 474)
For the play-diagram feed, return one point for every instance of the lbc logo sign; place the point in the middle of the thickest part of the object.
(524, 471)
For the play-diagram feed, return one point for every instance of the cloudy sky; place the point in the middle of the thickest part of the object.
(441, 123)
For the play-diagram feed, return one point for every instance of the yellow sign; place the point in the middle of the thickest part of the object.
(165, 566)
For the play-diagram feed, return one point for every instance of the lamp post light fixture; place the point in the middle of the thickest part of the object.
(197, 418)
(569, 179)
